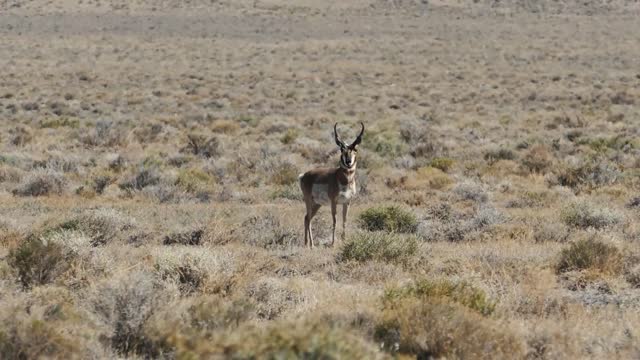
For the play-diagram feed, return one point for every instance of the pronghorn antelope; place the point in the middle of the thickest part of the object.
(332, 186)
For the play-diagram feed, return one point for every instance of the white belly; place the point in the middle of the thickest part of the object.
(320, 194)
(346, 192)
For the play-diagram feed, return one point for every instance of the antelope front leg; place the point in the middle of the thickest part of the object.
(333, 215)
(345, 210)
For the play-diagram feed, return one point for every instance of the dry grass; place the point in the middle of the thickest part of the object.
(149, 154)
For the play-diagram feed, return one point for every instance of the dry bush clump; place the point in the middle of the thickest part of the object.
(586, 174)
(283, 339)
(443, 223)
(428, 290)
(592, 255)
(439, 329)
(102, 226)
(267, 231)
(45, 323)
(123, 306)
(105, 133)
(190, 268)
(42, 182)
(39, 262)
(470, 191)
(585, 215)
(494, 155)
(538, 159)
(198, 144)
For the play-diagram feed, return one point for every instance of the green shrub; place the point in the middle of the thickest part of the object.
(388, 218)
(38, 262)
(195, 181)
(460, 292)
(443, 164)
(380, 246)
(590, 254)
(290, 192)
(386, 144)
(586, 215)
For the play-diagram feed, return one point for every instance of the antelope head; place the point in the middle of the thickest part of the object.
(348, 152)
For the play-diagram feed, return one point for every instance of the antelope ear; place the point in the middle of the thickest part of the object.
(339, 142)
(358, 140)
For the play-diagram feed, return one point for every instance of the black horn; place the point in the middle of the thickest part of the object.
(338, 141)
(358, 140)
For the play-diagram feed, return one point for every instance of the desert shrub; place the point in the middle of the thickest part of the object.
(64, 164)
(9, 174)
(188, 270)
(267, 231)
(492, 156)
(538, 159)
(388, 218)
(531, 199)
(201, 146)
(484, 217)
(589, 174)
(442, 329)
(290, 192)
(386, 144)
(224, 126)
(42, 182)
(586, 215)
(470, 191)
(172, 194)
(290, 136)
(43, 325)
(20, 136)
(632, 275)
(459, 292)
(143, 177)
(105, 133)
(306, 339)
(634, 203)
(101, 180)
(442, 223)
(58, 122)
(123, 306)
(147, 133)
(191, 237)
(101, 226)
(551, 232)
(195, 181)
(590, 254)
(39, 262)
(379, 246)
(284, 173)
(273, 297)
(442, 163)
(424, 177)
(216, 313)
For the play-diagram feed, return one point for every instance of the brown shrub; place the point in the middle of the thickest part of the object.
(538, 159)
(438, 329)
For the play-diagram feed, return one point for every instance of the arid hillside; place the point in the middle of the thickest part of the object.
(149, 196)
